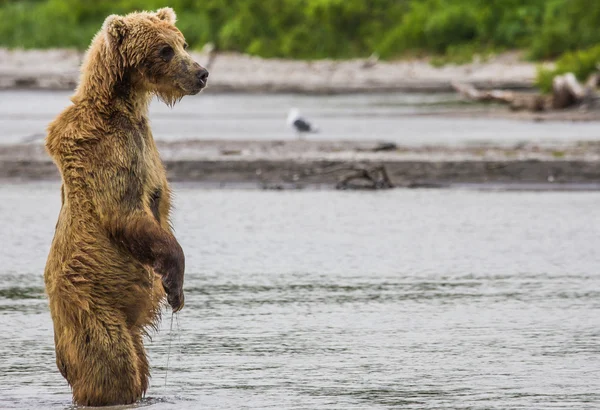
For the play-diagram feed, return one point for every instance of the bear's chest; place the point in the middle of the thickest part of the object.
(149, 164)
(150, 171)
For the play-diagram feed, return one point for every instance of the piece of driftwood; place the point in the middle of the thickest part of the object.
(353, 176)
(470, 92)
(385, 146)
(380, 147)
(360, 177)
(517, 101)
(567, 92)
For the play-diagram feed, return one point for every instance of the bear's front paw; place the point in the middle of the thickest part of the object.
(171, 269)
(176, 299)
(173, 284)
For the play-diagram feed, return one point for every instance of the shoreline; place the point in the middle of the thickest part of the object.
(58, 69)
(322, 164)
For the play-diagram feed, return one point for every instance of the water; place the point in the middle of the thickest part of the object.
(409, 119)
(343, 300)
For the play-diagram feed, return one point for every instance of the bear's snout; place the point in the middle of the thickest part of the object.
(201, 75)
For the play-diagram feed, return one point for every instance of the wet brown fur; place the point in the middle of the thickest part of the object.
(113, 254)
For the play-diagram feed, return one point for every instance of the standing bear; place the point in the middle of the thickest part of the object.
(114, 259)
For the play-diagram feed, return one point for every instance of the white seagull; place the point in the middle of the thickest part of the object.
(300, 124)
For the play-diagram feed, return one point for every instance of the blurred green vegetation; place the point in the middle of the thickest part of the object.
(453, 30)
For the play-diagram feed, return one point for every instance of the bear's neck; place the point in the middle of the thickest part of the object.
(109, 88)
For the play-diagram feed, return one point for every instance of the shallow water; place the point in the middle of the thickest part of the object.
(330, 300)
(24, 116)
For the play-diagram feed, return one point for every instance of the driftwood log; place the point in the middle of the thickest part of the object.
(516, 101)
(361, 177)
(567, 92)
(354, 176)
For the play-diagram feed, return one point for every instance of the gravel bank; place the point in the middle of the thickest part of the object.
(297, 164)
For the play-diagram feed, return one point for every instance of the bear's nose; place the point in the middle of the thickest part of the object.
(202, 74)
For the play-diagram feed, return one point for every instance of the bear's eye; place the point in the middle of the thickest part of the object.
(185, 46)
(167, 53)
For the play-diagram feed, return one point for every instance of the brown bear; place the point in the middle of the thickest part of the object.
(114, 258)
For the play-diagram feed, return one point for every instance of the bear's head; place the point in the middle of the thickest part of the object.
(149, 48)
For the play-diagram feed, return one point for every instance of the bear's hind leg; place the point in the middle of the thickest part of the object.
(143, 366)
(105, 367)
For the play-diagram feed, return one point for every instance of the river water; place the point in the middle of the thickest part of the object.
(407, 119)
(409, 299)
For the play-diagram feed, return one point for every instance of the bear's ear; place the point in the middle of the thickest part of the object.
(166, 14)
(115, 28)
